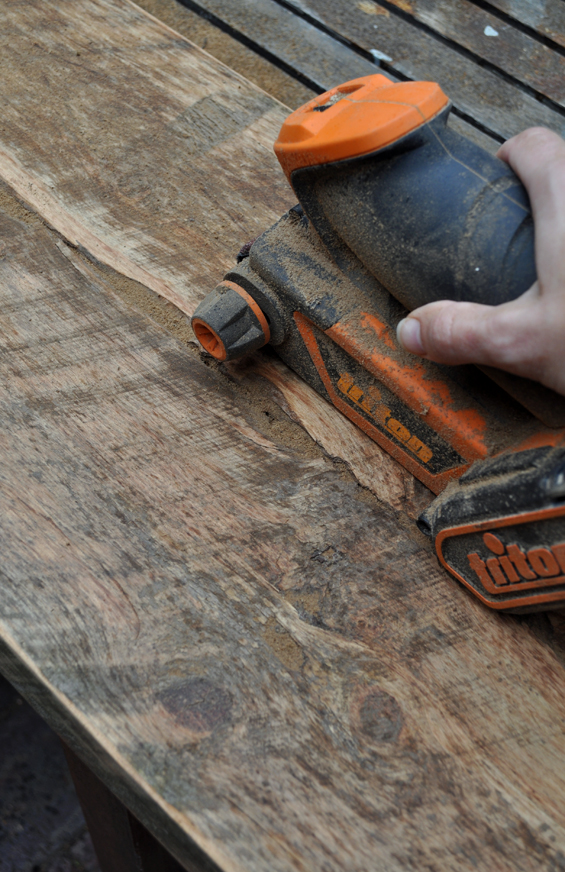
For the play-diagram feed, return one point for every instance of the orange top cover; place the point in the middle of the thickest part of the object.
(356, 118)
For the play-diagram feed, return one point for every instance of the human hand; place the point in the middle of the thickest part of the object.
(526, 336)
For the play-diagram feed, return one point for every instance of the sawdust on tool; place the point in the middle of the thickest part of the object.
(498, 418)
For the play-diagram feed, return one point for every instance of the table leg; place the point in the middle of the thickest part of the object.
(121, 842)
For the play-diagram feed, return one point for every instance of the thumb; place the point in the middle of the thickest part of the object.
(509, 336)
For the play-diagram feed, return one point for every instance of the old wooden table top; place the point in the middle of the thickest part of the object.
(211, 583)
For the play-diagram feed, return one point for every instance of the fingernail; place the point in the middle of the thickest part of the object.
(409, 335)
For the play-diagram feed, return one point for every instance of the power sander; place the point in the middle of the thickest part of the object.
(396, 209)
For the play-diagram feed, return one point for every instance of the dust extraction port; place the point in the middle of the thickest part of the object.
(229, 323)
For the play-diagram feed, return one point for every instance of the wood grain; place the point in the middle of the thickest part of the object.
(547, 18)
(501, 106)
(261, 661)
(131, 121)
(500, 43)
(229, 51)
(288, 39)
(150, 156)
(338, 436)
(303, 49)
(258, 659)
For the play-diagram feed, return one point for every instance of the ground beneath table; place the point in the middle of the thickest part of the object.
(42, 828)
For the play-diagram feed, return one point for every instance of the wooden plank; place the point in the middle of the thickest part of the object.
(478, 93)
(339, 437)
(287, 39)
(547, 18)
(231, 52)
(303, 49)
(256, 657)
(143, 124)
(174, 101)
(489, 38)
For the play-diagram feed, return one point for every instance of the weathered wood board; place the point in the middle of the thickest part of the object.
(290, 41)
(156, 160)
(480, 92)
(259, 660)
(132, 127)
(547, 18)
(263, 662)
(297, 43)
(236, 53)
(299, 46)
(529, 61)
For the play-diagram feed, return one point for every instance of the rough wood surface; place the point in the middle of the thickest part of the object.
(256, 658)
(232, 52)
(152, 157)
(478, 92)
(339, 436)
(262, 661)
(547, 18)
(506, 48)
(132, 128)
(289, 40)
(302, 48)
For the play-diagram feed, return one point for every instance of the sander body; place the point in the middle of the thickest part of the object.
(396, 210)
